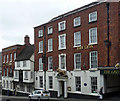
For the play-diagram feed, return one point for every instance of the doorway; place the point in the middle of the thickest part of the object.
(62, 89)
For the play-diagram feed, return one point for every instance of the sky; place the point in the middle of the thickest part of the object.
(18, 17)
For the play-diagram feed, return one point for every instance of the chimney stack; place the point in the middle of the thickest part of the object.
(26, 40)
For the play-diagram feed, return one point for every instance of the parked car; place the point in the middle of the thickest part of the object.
(39, 94)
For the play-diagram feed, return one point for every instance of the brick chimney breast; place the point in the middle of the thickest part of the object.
(26, 40)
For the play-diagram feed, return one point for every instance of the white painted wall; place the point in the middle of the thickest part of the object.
(85, 78)
(9, 79)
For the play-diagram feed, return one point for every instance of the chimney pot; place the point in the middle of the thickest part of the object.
(26, 40)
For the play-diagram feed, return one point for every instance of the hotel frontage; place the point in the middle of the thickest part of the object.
(79, 52)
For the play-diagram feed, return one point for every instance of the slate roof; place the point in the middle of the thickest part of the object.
(26, 53)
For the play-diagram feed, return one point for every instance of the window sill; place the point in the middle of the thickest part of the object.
(50, 70)
(40, 36)
(50, 51)
(62, 30)
(76, 26)
(93, 44)
(92, 22)
(93, 69)
(40, 70)
(40, 52)
(25, 79)
(62, 48)
(77, 69)
(50, 34)
(76, 46)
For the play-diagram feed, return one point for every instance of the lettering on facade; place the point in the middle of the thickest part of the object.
(110, 71)
(84, 47)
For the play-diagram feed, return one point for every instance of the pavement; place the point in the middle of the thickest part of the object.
(9, 98)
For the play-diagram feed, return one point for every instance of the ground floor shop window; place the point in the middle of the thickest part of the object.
(50, 82)
(94, 84)
(78, 83)
(41, 81)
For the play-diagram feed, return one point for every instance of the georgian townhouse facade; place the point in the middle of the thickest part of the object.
(77, 53)
(9, 55)
(24, 71)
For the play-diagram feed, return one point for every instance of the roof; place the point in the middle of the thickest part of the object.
(26, 53)
(74, 11)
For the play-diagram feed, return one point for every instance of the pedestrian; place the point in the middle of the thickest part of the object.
(101, 93)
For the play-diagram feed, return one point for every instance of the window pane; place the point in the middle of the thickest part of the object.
(94, 84)
(41, 81)
(78, 83)
(50, 82)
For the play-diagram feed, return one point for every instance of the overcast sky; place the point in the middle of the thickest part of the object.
(18, 17)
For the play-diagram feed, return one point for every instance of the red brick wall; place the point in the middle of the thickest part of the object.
(101, 25)
(11, 51)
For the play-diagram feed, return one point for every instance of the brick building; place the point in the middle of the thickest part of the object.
(77, 51)
(0, 73)
(9, 55)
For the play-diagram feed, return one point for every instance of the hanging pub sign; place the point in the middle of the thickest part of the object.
(84, 47)
(115, 71)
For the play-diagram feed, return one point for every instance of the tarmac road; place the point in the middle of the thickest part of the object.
(20, 98)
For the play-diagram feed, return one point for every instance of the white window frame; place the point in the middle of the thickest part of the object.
(41, 81)
(93, 52)
(94, 84)
(16, 74)
(77, 21)
(25, 75)
(18, 63)
(50, 30)
(11, 57)
(77, 40)
(93, 16)
(24, 63)
(40, 64)
(64, 61)
(31, 74)
(3, 83)
(77, 84)
(14, 56)
(7, 84)
(61, 25)
(50, 63)
(50, 82)
(41, 47)
(93, 36)
(50, 45)
(62, 45)
(7, 72)
(40, 33)
(3, 58)
(11, 85)
(7, 58)
(75, 61)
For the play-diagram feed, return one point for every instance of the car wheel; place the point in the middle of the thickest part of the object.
(38, 98)
(29, 98)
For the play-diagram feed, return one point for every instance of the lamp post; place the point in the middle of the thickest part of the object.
(44, 57)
